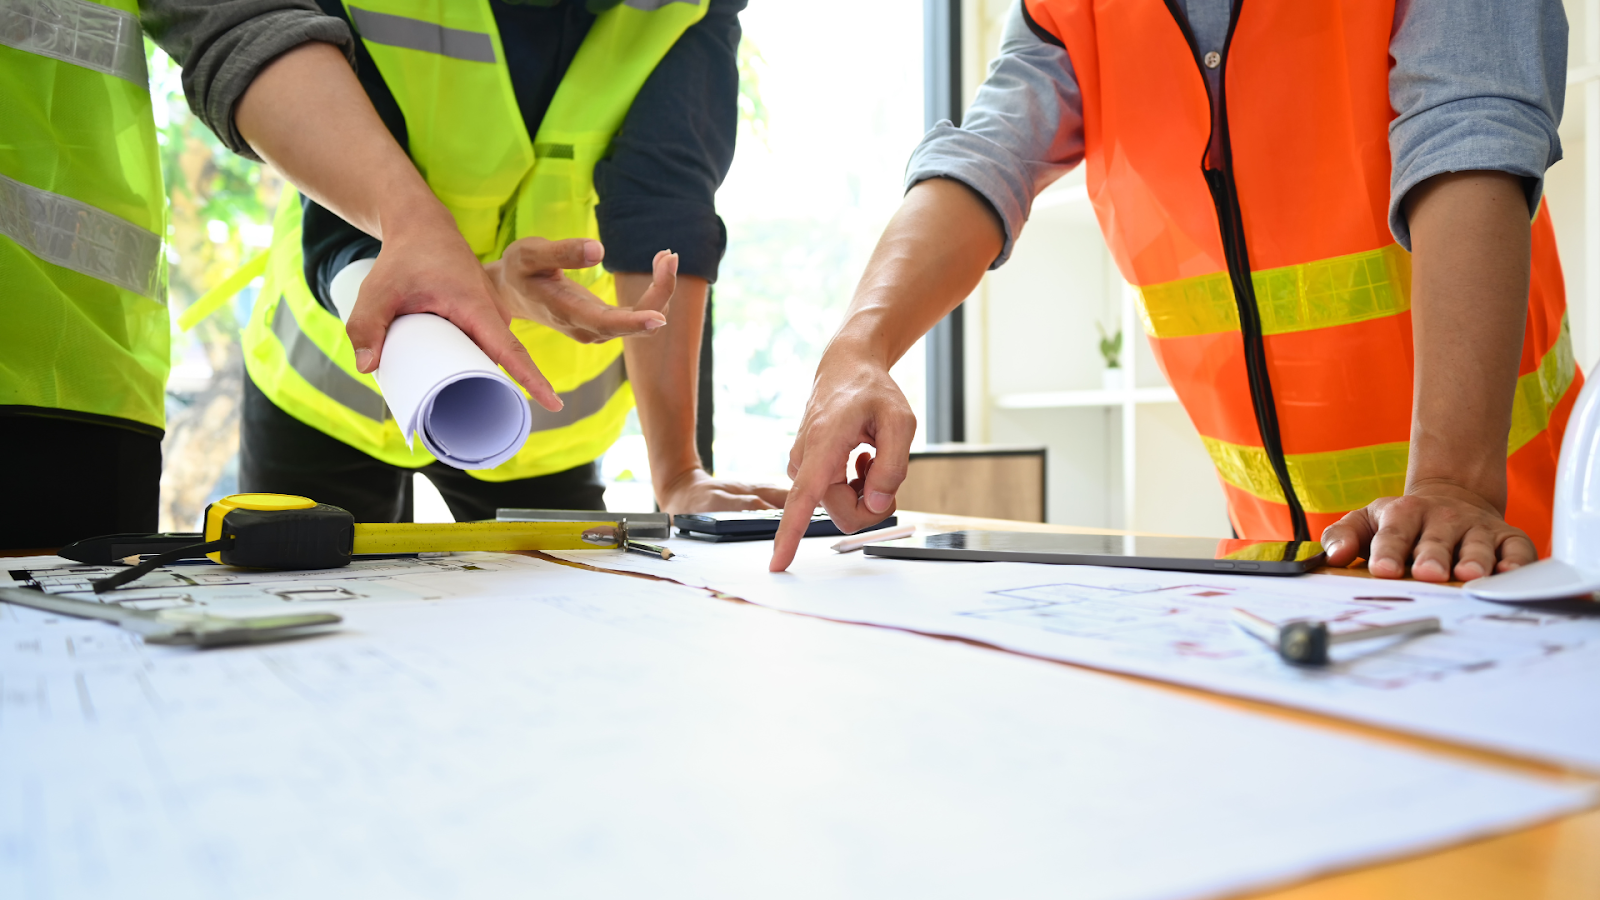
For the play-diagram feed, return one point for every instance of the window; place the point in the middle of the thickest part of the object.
(830, 110)
(219, 215)
(833, 110)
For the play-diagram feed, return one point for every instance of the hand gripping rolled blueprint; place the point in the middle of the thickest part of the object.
(441, 387)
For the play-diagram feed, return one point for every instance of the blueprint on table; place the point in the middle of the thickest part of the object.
(1508, 678)
(230, 589)
(545, 731)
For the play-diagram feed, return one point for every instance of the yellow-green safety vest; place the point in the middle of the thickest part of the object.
(444, 63)
(81, 214)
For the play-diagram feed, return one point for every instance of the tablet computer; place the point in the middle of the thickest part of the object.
(1176, 553)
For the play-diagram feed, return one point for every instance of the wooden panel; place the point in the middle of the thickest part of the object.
(1556, 861)
(1009, 486)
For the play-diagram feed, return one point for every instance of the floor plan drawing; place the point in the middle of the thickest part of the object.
(1469, 682)
(224, 587)
(1191, 621)
(566, 733)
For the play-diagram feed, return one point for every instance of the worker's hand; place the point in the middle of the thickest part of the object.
(696, 491)
(531, 280)
(426, 266)
(853, 402)
(1441, 529)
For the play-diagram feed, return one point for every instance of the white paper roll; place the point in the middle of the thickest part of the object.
(441, 387)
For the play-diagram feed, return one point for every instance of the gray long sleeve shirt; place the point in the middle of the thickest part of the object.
(223, 44)
(1476, 85)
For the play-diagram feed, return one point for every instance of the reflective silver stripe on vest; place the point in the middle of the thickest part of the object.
(415, 34)
(74, 235)
(307, 359)
(315, 366)
(79, 32)
(653, 5)
(582, 401)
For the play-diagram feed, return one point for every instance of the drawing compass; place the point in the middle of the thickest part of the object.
(1305, 642)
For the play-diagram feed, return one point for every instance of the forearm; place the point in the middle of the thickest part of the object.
(307, 115)
(664, 369)
(930, 258)
(1471, 241)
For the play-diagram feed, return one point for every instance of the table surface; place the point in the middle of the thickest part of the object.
(1559, 860)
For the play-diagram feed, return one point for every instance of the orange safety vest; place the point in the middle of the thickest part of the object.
(1274, 295)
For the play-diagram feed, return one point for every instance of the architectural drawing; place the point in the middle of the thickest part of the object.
(1190, 622)
(224, 587)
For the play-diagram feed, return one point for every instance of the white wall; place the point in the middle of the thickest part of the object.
(1566, 187)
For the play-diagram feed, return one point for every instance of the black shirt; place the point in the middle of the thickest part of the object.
(657, 188)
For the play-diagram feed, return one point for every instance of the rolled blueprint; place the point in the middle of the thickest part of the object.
(441, 387)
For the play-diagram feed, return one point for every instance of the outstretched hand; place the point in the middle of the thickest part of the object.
(854, 402)
(531, 281)
(1443, 530)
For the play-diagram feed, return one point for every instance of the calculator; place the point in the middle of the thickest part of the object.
(755, 525)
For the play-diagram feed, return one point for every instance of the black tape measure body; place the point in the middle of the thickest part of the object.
(253, 531)
(279, 531)
(319, 537)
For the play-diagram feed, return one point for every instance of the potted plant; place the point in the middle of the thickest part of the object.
(1111, 351)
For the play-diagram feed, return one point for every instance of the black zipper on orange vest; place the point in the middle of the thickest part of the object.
(1218, 173)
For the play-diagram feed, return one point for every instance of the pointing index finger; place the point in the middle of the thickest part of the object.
(797, 509)
(796, 518)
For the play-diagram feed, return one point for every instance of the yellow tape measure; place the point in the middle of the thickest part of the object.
(283, 531)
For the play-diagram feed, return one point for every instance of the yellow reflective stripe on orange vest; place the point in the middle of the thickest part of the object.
(1336, 481)
(1342, 480)
(1267, 551)
(1539, 391)
(1321, 294)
